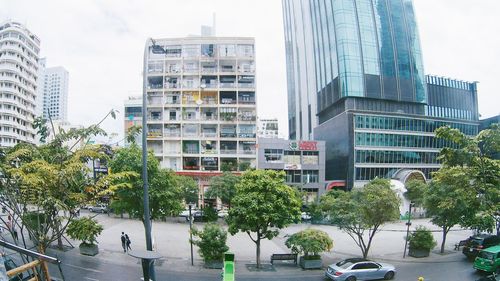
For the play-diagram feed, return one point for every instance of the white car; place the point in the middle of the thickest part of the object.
(305, 216)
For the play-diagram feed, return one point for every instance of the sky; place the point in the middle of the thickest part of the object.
(101, 44)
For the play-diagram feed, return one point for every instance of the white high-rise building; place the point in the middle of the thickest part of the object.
(19, 50)
(201, 105)
(55, 93)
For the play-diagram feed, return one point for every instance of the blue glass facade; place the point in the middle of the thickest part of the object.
(356, 76)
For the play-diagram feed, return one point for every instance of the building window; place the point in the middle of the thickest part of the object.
(273, 155)
(293, 176)
(310, 176)
(292, 157)
(310, 157)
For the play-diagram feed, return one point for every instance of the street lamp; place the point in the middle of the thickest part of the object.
(408, 224)
(147, 267)
(191, 231)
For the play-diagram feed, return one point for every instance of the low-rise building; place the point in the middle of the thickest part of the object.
(302, 161)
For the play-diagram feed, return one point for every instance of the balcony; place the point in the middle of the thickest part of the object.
(171, 85)
(228, 151)
(172, 133)
(155, 134)
(227, 85)
(246, 85)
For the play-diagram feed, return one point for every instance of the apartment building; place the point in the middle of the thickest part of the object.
(19, 49)
(201, 104)
(55, 93)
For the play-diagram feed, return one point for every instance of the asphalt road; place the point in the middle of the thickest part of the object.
(75, 269)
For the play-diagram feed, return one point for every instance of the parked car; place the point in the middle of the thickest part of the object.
(98, 209)
(197, 215)
(222, 214)
(359, 269)
(305, 216)
(488, 260)
(478, 242)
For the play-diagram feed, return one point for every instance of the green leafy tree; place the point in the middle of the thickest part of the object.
(165, 194)
(263, 204)
(415, 191)
(449, 200)
(84, 229)
(43, 185)
(211, 242)
(309, 242)
(478, 157)
(362, 210)
(189, 188)
(223, 187)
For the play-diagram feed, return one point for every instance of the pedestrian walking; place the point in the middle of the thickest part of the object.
(128, 242)
(124, 240)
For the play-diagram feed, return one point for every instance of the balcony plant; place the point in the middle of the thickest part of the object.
(86, 230)
(310, 243)
(212, 244)
(421, 242)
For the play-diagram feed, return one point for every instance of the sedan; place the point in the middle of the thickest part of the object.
(98, 209)
(360, 269)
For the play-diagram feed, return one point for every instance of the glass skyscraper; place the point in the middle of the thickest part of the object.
(356, 80)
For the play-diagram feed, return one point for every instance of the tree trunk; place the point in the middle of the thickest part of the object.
(258, 252)
(60, 245)
(444, 239)
(43, 264)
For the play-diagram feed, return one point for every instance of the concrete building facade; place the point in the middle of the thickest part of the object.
(19, 51)
(201, 104)
(55, 93)
(302, 161)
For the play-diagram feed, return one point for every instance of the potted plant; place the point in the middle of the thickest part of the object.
(420, 242)
(212, 244)
(310, 243)
(86, 230)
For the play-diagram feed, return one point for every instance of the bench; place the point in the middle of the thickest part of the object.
(460, 244)
(283, 257)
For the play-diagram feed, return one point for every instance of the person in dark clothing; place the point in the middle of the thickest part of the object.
(127, 241)
(124, 241)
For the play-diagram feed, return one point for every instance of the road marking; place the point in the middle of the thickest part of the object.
(88, 278)
(83, 268)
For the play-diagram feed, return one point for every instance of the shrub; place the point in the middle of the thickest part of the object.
(211, 243)
(84, 229)
(421, 238)
(309, 242)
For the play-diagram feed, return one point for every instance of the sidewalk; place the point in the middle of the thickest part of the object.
(171, 240)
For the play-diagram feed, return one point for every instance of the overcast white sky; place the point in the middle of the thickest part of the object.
(101, 44)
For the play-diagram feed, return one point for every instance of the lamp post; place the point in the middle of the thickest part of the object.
(147, 267)
(191, 232)
(408, 224)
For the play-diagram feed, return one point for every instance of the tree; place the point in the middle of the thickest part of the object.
(415, 191)
(212, 242)
(362, 210)
(189, 189)
(43, 185)
(262, 205)
(478, 158)
(449, 200)
(223, 187)
(165, 193)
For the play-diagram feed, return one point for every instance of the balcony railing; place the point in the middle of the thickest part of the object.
(246, 135)
(227, 135)
(246, 101)
(209, 101)
(155, 134)
(227, 85)
(247, 118)
(247, 151)
(171, 85)
(191, 151)
(228, 151)
(154, 86)
(189, 134)
(208, 135)
(209, 118)
(246, 85)
(209, 167)
(209, 151)
(172, 134)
